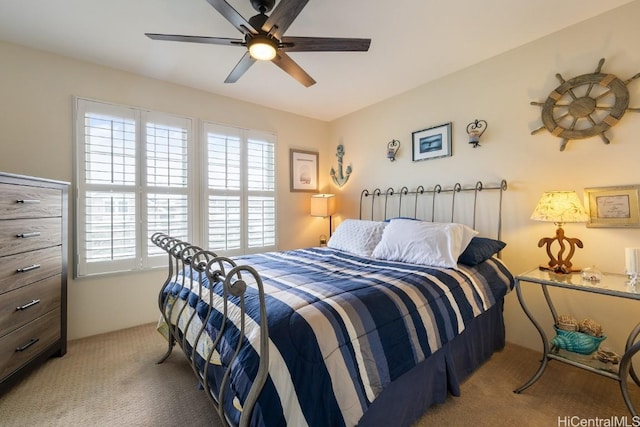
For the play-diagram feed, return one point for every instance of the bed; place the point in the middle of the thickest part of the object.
(362, 332)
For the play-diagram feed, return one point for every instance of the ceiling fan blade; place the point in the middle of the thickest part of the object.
(282, 16)
(241, 67)
(325, 44)
(289, 66)
(233, 16)
(195, 39)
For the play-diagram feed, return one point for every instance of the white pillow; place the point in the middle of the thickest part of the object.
(357, 236)
(425, 243)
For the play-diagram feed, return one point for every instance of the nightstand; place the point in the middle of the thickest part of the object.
(613, 285)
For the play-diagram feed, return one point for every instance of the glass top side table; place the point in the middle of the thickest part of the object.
(613, 285)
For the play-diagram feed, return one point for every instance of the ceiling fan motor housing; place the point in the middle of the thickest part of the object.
(263, 6)
(257, 21)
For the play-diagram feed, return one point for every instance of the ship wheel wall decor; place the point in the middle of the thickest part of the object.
(585, 106)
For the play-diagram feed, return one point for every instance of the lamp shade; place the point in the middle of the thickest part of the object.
(560, 207)
(323, 205)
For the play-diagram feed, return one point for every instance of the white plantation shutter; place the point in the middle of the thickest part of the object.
(167, 167)
(132, 180)
(224, 190)
(110, 149)
(261, 165)
(240, 185)
(223, 155)
(261, 222)
(261, 183)
(167, 214)
(135, 175)
(110, 226)
(225, 223)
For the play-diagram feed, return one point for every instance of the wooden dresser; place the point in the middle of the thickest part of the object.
(33, 273)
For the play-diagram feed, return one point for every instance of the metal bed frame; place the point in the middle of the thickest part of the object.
(436, 193)
(203, 264)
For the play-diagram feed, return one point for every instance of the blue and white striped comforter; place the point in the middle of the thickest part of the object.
(342, 327)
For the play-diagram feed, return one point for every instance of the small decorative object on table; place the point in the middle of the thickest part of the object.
(584, 339)
(576, 342)
(632, 264)
(591, 274)
(590, 327)
(567, 322)
(606, 356)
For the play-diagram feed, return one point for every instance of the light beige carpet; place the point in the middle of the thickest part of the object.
(112, 380)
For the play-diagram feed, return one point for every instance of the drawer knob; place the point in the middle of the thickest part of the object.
(28, 268)
(27, 305)
(28, 201)
(31, 342)
(27, 235)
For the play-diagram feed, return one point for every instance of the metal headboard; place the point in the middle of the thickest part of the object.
(381, 200)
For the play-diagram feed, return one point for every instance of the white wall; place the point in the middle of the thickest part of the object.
(36, 91)
(500, 91)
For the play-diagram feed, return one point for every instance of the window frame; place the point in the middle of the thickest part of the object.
(244, 135)
(141, 260)
(197, 190)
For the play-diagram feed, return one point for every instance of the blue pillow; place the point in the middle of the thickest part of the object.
(401, 217)
(480, 249)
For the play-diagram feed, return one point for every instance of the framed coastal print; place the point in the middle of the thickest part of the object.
(431, 143)
(303, 170)
(613, 206)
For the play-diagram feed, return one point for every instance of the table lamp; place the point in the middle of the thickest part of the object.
(323, 205)
(560, 207)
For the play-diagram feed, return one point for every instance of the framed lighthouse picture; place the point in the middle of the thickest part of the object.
(303, 170)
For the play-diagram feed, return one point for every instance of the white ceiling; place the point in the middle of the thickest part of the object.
(413, 42)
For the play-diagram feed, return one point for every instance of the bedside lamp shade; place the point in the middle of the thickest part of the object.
(323, 205)
(560, 207)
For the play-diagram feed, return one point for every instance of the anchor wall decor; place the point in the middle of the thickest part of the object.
(340, 178)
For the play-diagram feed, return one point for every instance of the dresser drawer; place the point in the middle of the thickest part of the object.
(22, 305)
(22, 235)
(22, 269)
(22, 201)
(33, 279)
(22, 345)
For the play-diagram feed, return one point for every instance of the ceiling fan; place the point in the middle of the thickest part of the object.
(264, 38)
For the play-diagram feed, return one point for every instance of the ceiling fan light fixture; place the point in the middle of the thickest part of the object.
(262, 48)
(263, 38)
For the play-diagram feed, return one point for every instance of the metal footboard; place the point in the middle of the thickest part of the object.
(196, 270)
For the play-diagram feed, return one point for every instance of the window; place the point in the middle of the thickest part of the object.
(240, 190)
(132, 176)
(136, 174)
